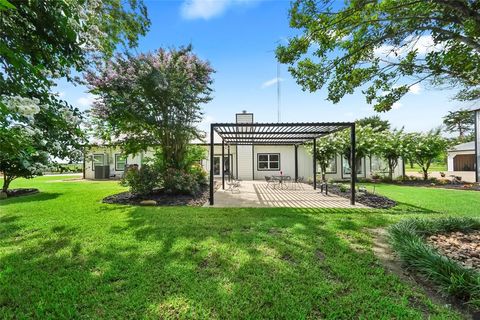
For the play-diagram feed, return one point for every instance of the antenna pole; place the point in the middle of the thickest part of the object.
(278, 92)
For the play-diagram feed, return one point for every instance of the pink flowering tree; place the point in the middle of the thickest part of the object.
(152, 99)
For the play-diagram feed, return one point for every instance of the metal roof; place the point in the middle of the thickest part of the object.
(276, 133)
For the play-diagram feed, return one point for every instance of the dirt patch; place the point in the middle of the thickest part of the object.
(392, 263)
(160, 198)
(459, 246)
(20, 192)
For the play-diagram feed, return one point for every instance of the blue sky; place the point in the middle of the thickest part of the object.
(238, 38)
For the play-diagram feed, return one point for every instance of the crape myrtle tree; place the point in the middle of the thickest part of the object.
(152, 99)
(327, 148)
(32, 133)
(424, 148)
(375, 122)
(40, 43)
(366, 141)
(391, 148)
(384, 47)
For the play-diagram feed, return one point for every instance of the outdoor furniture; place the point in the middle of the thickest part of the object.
(233, 185)
(282, 180)
(270, 180)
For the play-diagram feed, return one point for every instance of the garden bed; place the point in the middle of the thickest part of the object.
(159, 198)
(364, 197)
(436, 183)
(428, 246)
(20, 192)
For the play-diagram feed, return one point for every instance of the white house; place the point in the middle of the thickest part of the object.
(245, 162)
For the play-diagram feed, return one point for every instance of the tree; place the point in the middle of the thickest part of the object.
(152, 99)
(386, 46)
(31, 134)
(366, 141)
(41, 42)
(391, 148)
(424, 148)
(375, 122)
(461, 122)
(327, 149)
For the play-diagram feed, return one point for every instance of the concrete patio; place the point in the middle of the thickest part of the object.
(293, 195)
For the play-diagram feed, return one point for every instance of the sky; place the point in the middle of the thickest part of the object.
(238, 37)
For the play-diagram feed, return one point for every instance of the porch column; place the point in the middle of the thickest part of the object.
(223, 164)
(212, 127)
(229, 164)
(353, 169)
(314, 164)
(296, 163)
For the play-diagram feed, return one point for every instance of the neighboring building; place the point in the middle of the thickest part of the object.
(462, 157)
(246, 162)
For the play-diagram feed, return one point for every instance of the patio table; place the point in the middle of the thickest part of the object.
(282, 178)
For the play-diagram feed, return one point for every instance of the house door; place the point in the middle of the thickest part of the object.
(218, 167)
(464, 162)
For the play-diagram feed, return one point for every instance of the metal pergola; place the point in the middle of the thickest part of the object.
(278, 134)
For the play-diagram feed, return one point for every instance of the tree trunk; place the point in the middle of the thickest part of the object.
(390, 173)
(425, 173)
(6, 183)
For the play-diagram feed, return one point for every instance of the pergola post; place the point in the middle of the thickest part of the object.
(296, 163)
(314, 164)
(223, 164)
(212, 128)
(229, 164)
(353, 169)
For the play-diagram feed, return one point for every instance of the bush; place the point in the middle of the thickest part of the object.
(141, 181)
(407, 238)
(343, 188)
(181, 182)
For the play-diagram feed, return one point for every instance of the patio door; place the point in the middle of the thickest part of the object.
(218, 167)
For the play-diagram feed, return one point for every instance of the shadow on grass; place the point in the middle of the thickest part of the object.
(196, 263)
(407, 208)
(40, 196)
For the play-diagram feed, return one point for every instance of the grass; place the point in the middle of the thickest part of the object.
(408, 240)
(435, 167)
(64, 254)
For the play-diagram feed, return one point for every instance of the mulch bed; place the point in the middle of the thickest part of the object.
(459, 246)
(160, 198)
(366, 198)
(433, 184)
(21, 192)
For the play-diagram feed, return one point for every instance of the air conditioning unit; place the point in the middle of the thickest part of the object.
(102, 172)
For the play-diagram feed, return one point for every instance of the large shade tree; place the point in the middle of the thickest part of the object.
(384, 47)
(460, 122)
(40, 43)
(152, 99)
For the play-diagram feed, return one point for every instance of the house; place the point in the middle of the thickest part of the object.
(461, 157)
(242, 161)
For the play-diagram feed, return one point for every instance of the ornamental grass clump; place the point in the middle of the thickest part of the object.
(408, 240)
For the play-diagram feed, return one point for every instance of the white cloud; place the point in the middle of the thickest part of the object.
(415, 89)
(207, 9)
(396, 105)
(86, 101)
(271, 82)
(423, 45)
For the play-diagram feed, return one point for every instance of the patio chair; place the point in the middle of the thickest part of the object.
(299, 182)
(233, 185)
(269, 180)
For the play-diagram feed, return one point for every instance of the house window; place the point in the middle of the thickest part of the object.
(378, 165)
(120, 162)
(331, 167)
(268, 161)
(346, 171)
(98, 160)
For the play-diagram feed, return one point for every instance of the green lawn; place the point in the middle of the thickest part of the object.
(435, 167)
(64, 254)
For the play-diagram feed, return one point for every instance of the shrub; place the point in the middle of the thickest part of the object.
(343, 188)
(141, 181)
(181, 182)
(199, 173)
(407, 238)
